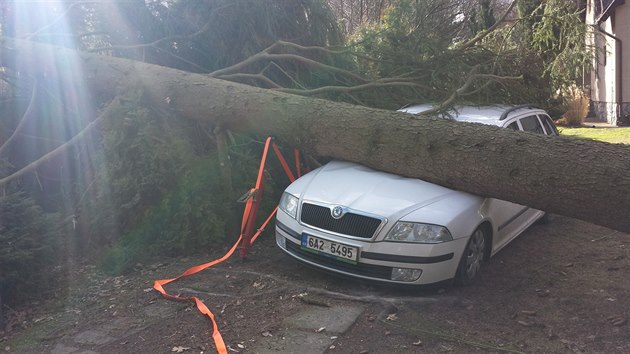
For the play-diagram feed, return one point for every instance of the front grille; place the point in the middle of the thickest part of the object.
(350, 224)
(368, 270)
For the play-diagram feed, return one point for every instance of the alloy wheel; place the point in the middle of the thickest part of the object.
(475, 253)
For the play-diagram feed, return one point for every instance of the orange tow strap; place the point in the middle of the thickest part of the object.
(249, 214)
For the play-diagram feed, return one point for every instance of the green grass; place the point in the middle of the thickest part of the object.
(609, 135)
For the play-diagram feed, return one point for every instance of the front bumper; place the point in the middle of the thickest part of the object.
(377, 259)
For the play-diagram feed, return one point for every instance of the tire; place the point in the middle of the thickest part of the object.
(473, 257)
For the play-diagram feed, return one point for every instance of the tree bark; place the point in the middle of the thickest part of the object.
(577, 178)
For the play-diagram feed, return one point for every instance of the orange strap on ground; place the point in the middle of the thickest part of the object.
(248, 212)
(158, 285)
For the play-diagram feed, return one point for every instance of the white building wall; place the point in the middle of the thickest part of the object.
(622, 30)
(604, 75)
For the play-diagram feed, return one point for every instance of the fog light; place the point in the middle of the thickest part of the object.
(406, 274)
(281, 241)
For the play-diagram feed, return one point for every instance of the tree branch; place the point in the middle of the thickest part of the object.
(462, 90)
(264, 55)
(155, 43)
(58, 150)
(346, 89)
(483, 34)
(279, 68)
(305, 48)
(259, 77)
(20, 126)
(59, 18)
(70, 35)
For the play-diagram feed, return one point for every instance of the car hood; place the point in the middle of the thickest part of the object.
(363, 189)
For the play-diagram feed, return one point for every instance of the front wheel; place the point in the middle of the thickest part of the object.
(472, 258)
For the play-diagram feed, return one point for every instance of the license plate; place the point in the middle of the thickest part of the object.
(332, 249)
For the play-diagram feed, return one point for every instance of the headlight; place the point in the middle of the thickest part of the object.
(422, 233)
(289, 204)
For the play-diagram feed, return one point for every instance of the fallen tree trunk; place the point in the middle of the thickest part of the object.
(577, 178)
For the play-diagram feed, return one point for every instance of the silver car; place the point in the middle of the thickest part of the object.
(350, 219)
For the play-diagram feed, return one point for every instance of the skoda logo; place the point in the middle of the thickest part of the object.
(337, 212)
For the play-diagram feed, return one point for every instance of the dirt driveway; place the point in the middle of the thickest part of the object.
(560, 287)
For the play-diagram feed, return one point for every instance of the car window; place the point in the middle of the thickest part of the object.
(531, 124)
(548, 124)
(513, 126)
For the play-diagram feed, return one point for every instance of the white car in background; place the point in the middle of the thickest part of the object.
(350, 219)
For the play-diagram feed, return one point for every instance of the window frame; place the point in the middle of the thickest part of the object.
(535, 116)
(544, 118)
(514, 121)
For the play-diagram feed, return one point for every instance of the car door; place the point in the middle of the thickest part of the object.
(510, 219)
